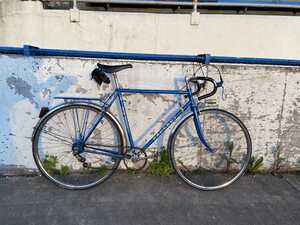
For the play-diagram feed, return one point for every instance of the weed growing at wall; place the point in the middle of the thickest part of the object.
(278, 159)
(254, 165)
(49, 163)
(160, 167)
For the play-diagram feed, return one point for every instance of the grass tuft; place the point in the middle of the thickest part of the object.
(160, 167)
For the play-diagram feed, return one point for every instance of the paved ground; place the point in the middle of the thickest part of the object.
(143, 200)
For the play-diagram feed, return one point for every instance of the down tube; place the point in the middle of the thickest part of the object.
(168, 124)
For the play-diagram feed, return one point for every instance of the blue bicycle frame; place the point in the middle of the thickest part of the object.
(191, 104)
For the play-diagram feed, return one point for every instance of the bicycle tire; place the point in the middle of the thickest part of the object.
(198, 167)
(73, 172)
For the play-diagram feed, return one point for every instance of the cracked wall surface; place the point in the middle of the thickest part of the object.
(265, 98)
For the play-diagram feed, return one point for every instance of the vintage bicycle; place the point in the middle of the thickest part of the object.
(80, 143)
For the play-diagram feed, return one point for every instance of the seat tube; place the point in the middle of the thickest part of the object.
(125, 118)
(123, 110)
(197, 122)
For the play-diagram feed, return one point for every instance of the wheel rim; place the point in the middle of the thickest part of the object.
(54, 142)
(205, 170)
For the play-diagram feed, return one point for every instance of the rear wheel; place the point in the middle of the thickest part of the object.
(226, 135)
(59, 152)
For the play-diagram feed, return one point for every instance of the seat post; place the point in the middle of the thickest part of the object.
(115, 79)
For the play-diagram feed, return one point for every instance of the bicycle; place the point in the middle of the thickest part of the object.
(80, 143)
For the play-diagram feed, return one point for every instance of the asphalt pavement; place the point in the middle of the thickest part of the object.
(140, 199)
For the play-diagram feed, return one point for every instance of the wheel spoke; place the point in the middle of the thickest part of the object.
(57, 136)
(64, 161)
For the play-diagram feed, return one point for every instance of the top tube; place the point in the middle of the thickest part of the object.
(152, 91)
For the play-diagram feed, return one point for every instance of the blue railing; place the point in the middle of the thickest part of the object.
(204, 58)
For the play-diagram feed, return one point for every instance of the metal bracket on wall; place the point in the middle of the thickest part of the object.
(28, 50)
(74, 13)
(195, 16)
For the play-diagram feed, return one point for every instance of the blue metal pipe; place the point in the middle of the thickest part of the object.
(263, 61)
(205, 58)
(11, 50)
(34, 51)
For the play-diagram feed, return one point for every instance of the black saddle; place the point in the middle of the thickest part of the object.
(113, 69)
(99, 74)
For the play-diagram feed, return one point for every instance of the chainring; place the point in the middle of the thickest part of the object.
(136, 164)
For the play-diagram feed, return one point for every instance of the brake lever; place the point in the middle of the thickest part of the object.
(220, 84)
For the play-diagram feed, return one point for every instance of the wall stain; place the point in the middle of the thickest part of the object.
(21, 87)
(81, 90)
(59, 65)
(280, 131)
(46, 92)
(59, 77)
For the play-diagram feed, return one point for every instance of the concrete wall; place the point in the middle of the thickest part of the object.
(230, 35)
(266, 98)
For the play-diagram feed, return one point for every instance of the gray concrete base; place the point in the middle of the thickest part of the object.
(139, 199)
(12, 170)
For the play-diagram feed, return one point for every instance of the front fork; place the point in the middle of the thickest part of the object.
(197, 122)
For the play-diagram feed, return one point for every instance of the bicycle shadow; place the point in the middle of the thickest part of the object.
(164, 117)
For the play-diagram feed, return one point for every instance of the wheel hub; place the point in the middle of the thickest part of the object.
(77, 148)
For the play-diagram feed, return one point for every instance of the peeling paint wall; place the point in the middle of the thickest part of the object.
(266, 98)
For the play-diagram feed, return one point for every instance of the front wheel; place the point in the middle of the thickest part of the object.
(60, 153)
(205, 170)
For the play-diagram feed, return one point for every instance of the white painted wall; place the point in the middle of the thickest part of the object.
(229, 35)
